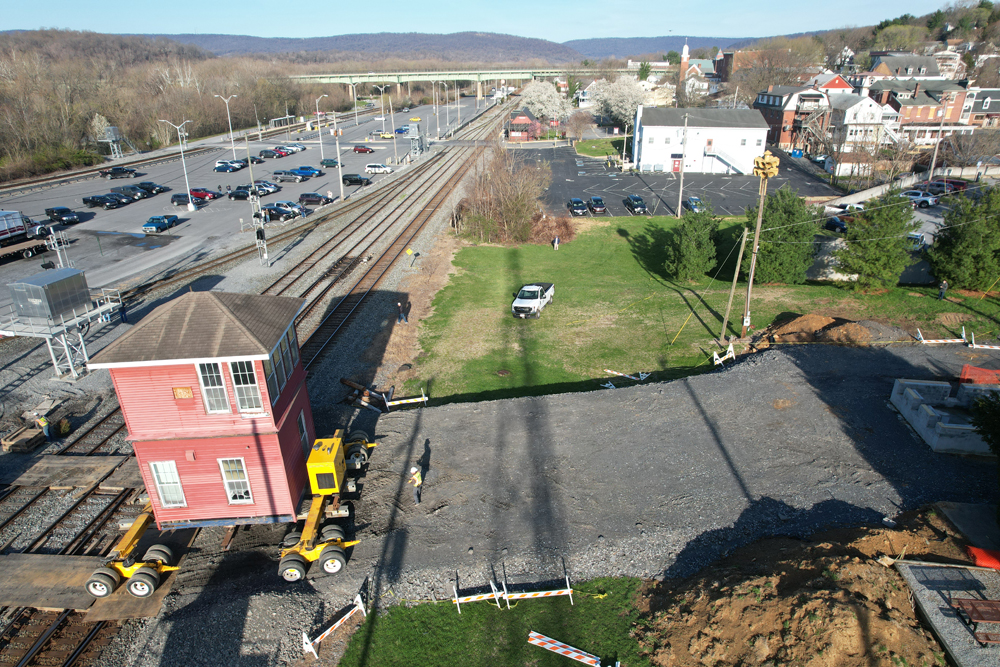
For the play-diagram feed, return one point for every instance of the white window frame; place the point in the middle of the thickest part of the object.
(161, 484)
(254, 388)
(288, 361)
(303, 433)
(986, 103)
(204, 392)
(226, 482)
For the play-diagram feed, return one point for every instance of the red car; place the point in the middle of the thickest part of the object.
(205, 193)
(957, 184)
(363, 149)
(280, 151)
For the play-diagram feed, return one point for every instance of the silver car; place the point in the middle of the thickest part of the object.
(919, 198)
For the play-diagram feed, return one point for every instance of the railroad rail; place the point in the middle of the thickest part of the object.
(98, 436)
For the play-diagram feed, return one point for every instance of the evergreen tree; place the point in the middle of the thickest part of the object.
(690, 252)
(986, 421)
(966, 251)
(786, 239)
(877, 245)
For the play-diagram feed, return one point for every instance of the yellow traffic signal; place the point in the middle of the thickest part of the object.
(765, 166)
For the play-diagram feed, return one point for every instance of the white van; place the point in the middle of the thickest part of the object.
(377, 169)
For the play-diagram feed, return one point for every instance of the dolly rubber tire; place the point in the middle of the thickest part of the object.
(291, 539)
(160, 552)
(103, 582)
(332, 559)
(292, 568)
(358, 435)
(143, 583)
(332, 532)
(357, 451)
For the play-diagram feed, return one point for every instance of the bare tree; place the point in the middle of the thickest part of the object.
(778, 62)
(578, 123)
(965, 150)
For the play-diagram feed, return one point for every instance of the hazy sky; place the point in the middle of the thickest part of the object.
(556, 20)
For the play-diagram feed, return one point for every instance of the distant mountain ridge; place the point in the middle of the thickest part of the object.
(623, 47)
(460, 46)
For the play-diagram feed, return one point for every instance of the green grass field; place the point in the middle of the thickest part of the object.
(600, 147)
(615, 308)
(599, 622)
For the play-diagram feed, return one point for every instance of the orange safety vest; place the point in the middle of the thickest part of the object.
(417, 480)
(42, 421)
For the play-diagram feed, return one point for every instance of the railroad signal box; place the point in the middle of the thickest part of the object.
(214, 398)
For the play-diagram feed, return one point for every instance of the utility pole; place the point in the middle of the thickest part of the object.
(945, 98)
(684, 144)
(319, 126)
(732, 290)
(764, 167)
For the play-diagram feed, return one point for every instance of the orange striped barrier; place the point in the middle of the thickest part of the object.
(309, 645)
(494, 596)
(921, 338)
(982, 347)
(537, 594)
(565, 650)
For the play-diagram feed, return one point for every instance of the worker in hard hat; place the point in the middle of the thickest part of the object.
(43, 424)
(416, 480)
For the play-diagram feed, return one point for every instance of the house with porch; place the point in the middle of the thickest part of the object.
(519, 125)
(214, 398)
(797, 116)
(718, 141)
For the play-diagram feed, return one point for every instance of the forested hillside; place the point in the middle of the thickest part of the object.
(468, 47)
(614, 47)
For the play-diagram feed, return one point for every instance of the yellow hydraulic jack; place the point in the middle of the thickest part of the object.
(328, 462)
(143, 575)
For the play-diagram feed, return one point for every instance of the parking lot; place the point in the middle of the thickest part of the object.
(584, 177)
(110, 244)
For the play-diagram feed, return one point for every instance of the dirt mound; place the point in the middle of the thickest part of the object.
(825, 603)
(815, 328)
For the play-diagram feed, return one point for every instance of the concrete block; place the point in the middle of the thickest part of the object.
(926, 417)
(968, 394)
(958, 439)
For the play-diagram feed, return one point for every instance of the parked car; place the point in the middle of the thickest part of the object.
(576, 206)
(101, 201)
(635, 205)
(936, 188)
(819, 159)
(268, 153)
(159, 223)
(356, 179)
(290, 148)
(403, 129)
(118, 172)
(416, 119)
(291, 206)
(235, 163)
(377, 169)
(836, 224)
(596, 205)
(283, 176)
(916, 241)
(122, 199)
(267, 186)
(253, 159)
(328, 162)
(225, 167)
(205, 193)
(182, 199)
(308, 172)
(314, 198)
(363, 149)
(958, 184)
(921, 199)
(694, 204)
(151, 187)
(299, 147)
(386, 135)
(531, 299)
(379, 118)
(133, 191)
(238, 195)
(272, 212)
(62, 214)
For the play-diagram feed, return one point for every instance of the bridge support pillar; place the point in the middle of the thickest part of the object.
(408, 93)
(479, 91)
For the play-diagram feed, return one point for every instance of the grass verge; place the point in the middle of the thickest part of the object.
(601, 147)
(615, 308)
(600, 622)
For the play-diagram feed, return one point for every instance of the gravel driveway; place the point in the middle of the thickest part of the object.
(652, 480)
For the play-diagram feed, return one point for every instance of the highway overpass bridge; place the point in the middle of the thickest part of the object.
(512, 76)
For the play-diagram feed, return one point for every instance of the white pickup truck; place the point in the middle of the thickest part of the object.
(530, 300)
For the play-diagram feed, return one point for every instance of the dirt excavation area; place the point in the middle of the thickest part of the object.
(824, 602)
(814, 328)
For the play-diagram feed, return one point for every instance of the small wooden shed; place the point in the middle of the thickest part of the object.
(214, 398)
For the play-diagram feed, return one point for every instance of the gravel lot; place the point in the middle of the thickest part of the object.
(654, 480)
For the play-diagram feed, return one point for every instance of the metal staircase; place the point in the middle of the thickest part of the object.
(722, 155)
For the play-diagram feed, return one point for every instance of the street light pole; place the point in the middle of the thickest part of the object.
(392, 125)
(354, 92)
(319, 125)
(187, 184)
(340, 167)
(458, 106)
(230, 119)
(447, 116)
(945, 98)
(437, 118)
(381, 101)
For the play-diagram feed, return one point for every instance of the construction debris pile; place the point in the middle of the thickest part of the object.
(815, 328)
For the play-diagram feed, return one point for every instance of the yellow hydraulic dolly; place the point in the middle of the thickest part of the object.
(143, 575)
(327, 466)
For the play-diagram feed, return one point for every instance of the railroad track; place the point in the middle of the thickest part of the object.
(96, 440)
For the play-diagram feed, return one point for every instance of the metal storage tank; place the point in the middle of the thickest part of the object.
(46, 296)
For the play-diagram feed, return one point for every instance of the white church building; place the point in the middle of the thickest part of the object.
(719, 141)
